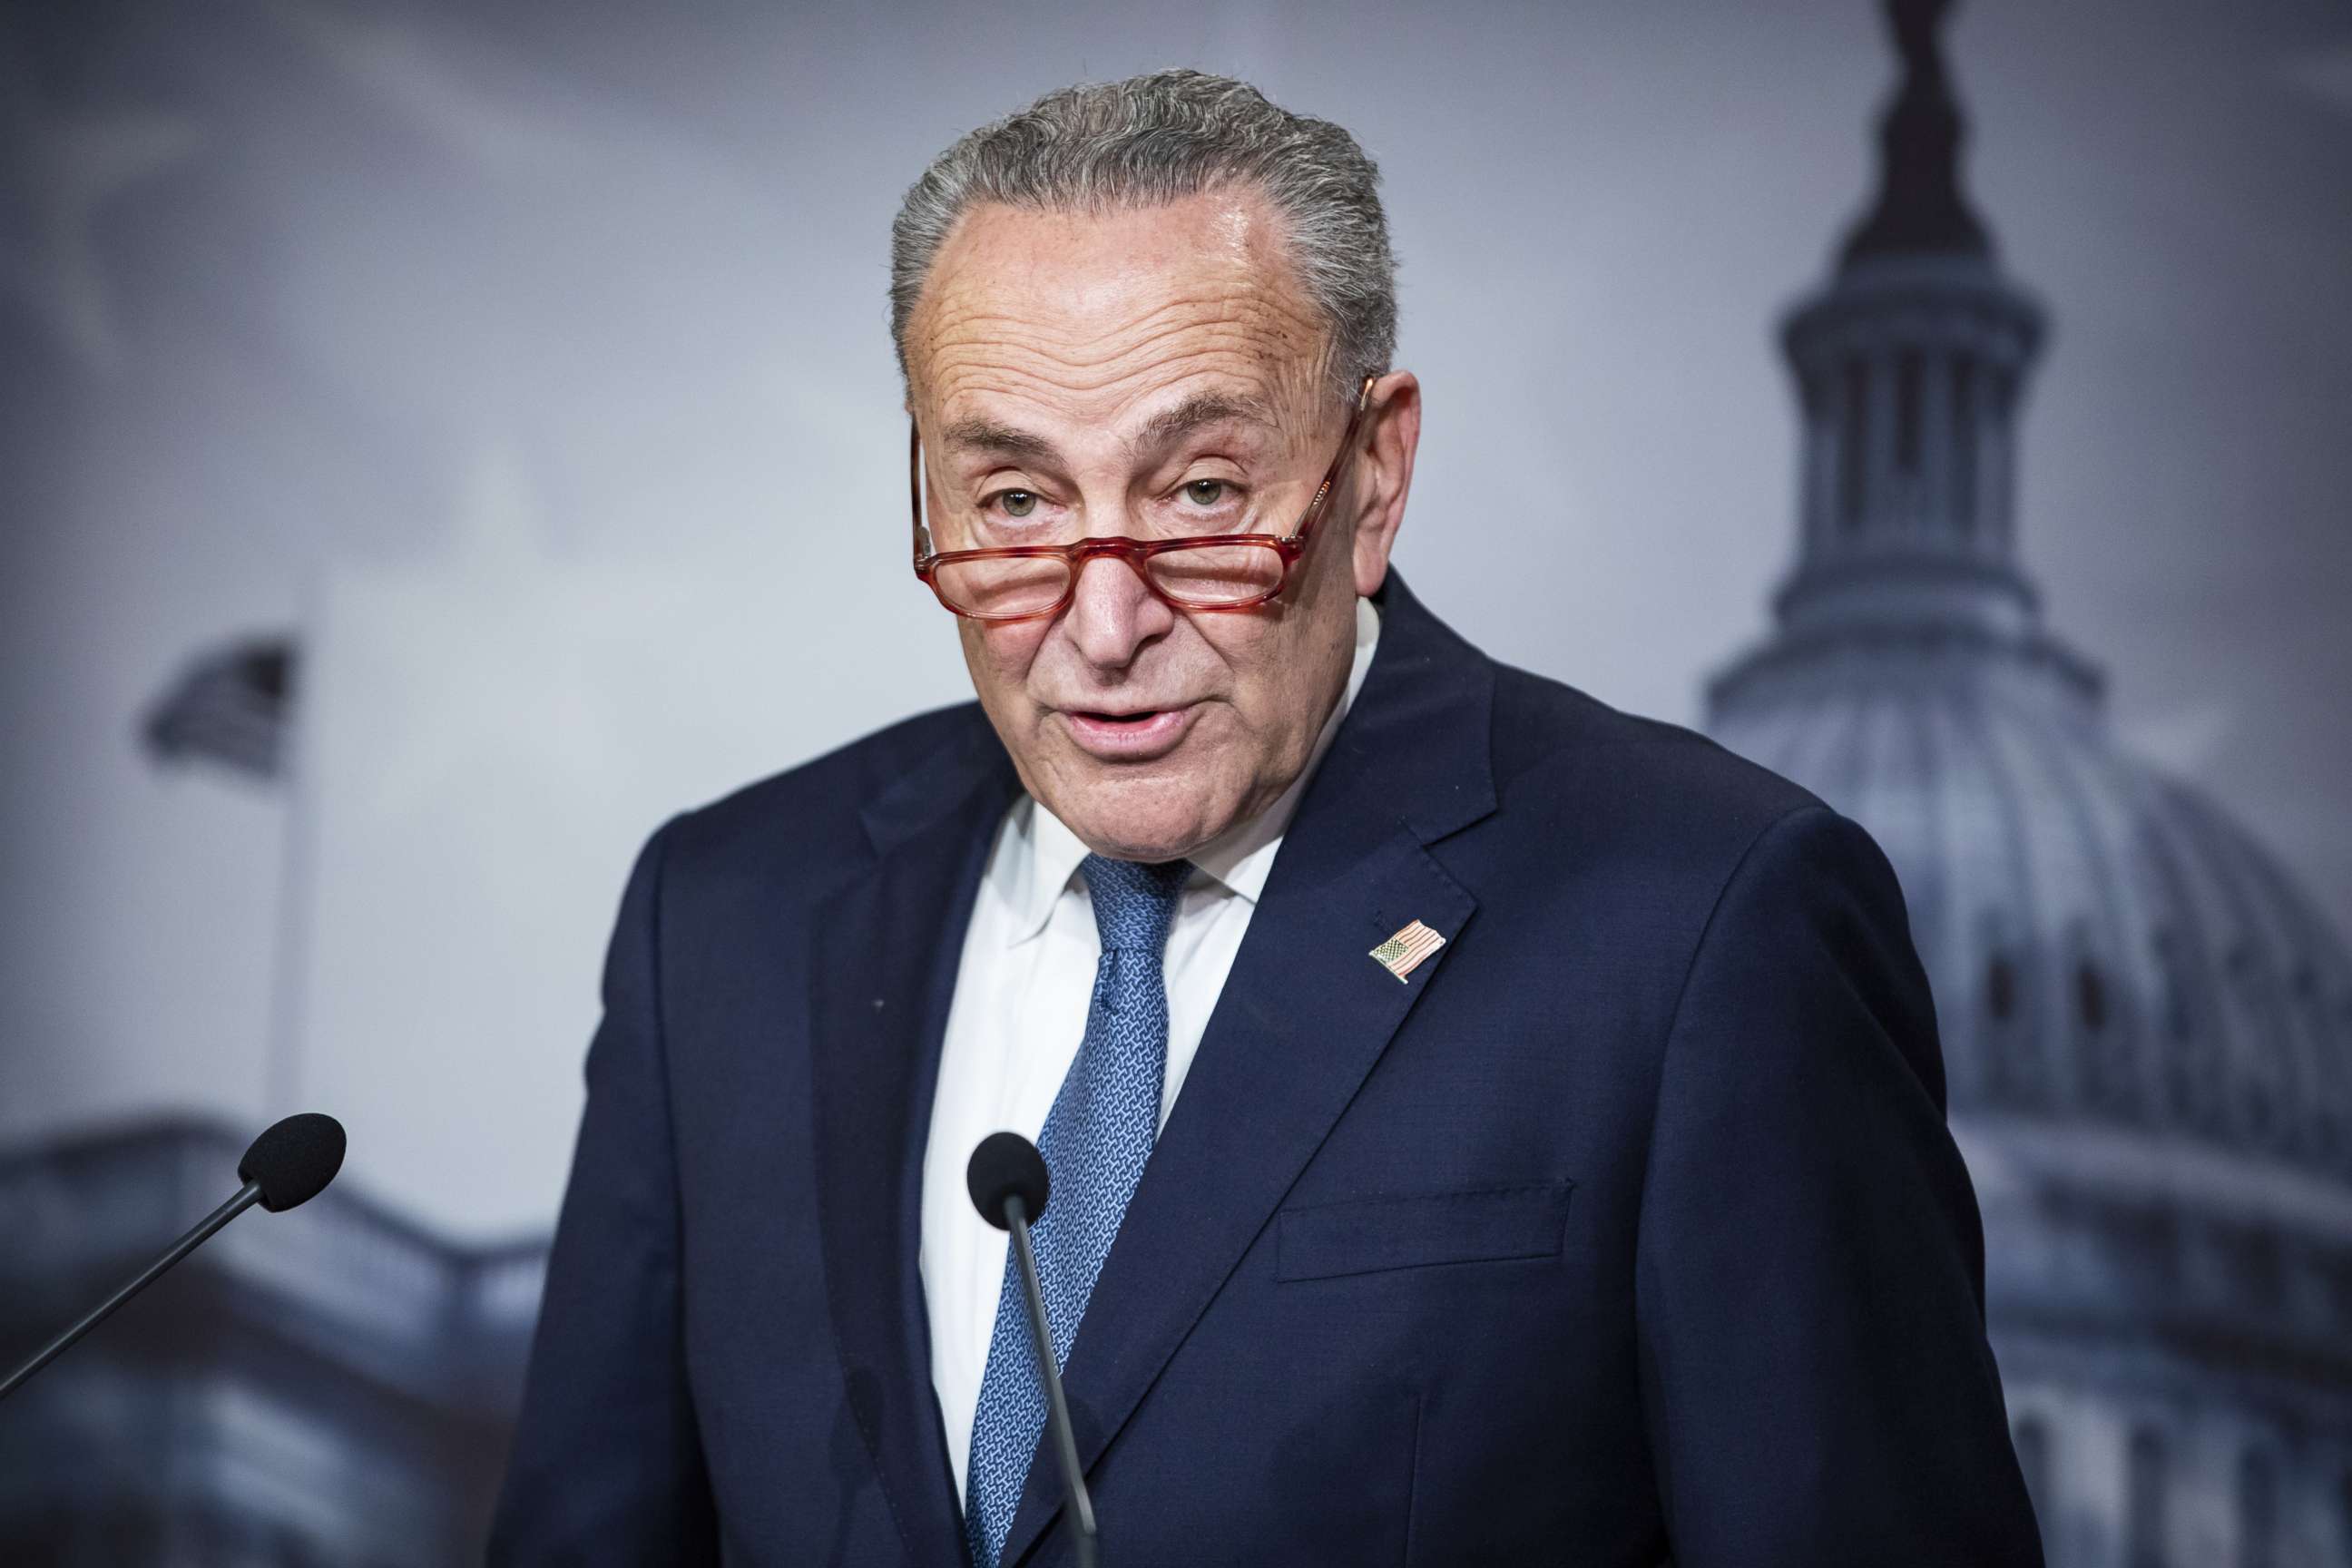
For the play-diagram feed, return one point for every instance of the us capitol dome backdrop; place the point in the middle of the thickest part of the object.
(2146, 1026)
(2147, 1029)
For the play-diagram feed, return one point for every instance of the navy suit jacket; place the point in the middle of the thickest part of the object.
(1626, 1228)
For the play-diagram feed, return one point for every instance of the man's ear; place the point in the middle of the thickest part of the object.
(1390, 436)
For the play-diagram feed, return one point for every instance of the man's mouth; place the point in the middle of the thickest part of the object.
(1130, 734)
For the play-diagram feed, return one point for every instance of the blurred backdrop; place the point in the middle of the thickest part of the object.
(441, 441)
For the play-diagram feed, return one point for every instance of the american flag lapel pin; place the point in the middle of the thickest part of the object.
(1402, 952)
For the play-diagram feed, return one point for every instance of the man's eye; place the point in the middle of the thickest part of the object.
(1205, 493)
(1016, 503)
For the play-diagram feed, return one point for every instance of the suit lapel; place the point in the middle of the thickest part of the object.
(885, 960)
(1303, 1017)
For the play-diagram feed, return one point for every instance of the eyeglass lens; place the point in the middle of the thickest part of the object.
(1203, 576)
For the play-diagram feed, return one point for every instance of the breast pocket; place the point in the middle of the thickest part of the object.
(1365, 1235)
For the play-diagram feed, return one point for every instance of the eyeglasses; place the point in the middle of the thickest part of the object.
(1201, 572)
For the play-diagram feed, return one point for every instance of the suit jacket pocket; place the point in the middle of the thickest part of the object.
(1367, 1235)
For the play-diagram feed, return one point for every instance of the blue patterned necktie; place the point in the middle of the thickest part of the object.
(1105, 1119)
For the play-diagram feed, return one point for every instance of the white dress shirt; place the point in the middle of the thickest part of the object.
(1020, 1012)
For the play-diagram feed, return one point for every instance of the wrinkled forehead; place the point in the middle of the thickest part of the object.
(1095, 319)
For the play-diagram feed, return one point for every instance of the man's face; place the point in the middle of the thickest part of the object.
(1149, 373)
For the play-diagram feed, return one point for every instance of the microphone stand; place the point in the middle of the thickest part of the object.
(245, 1198)
(1057, 1407)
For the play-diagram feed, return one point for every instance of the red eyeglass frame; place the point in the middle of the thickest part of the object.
(1134, 551)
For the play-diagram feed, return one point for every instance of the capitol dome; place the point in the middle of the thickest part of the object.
(2146, 1026)
(2106, 944)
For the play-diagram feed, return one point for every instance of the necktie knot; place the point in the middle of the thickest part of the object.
(1134, 903)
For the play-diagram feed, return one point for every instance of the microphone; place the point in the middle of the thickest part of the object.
(1009, 1185)
(289, 1164)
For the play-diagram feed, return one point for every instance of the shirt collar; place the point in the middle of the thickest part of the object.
(1046, 854)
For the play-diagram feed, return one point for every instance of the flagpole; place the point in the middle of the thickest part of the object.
(282, 1067)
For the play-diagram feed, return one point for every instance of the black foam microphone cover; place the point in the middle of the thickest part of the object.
(1007, 1165)
(294, 1160)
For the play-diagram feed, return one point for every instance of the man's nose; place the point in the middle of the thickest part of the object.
(1113, 613)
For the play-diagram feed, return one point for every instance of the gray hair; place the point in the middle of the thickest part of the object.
(1152, 140)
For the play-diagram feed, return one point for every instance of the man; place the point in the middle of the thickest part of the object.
(1484, 1127)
